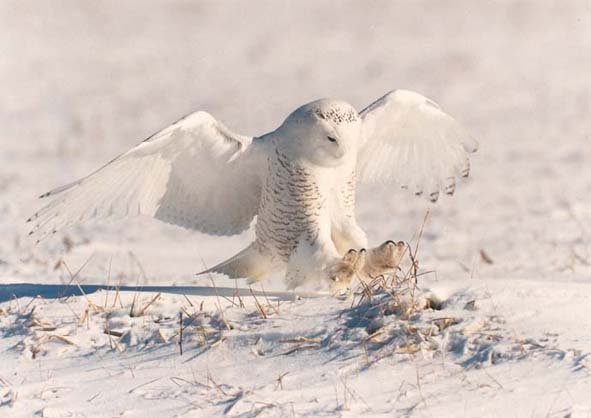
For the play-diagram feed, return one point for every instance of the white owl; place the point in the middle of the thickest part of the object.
(298, 181)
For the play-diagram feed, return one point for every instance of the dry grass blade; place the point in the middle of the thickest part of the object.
(218, 387)
(300, 348)
(219, 305)
(280, 380)
(485, 257)
(143, 384)
(176, 379)
(258, 305)
(375, 334)
(113, 332)
(276, 309)
(443, 323)
(299, 340)
(236, 294)
(42, 325)
(218, 342)
(132, 308)
(421, 230)
(188, 300)
(74, 276)
(145, 308)
(108, 282)
(301, 343)
(181, 333)
(62, 339)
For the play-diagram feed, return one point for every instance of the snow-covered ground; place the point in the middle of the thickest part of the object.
(509, 255)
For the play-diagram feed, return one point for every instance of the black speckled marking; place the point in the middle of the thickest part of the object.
(337, 115)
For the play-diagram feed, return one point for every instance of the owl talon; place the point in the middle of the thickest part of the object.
(342, 272)
(384, 259)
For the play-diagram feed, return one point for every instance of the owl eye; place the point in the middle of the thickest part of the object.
(331, 139)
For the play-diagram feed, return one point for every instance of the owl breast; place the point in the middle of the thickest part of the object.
(290, 208)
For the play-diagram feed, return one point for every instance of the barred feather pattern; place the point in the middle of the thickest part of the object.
(290, 208)
(347, 196)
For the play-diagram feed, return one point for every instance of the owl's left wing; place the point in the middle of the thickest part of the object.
(408, 140)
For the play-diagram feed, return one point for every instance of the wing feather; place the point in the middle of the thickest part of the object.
(195, 173)
(409, 140)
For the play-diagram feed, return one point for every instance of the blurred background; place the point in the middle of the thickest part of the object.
(83, 81)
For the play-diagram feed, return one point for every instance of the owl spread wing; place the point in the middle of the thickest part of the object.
(409, 140)
(194, 173)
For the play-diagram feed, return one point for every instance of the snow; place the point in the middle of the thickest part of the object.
(509, 254)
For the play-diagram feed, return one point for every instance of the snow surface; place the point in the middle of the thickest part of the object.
(510, 254)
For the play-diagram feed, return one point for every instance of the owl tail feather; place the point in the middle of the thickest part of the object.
(248, 263)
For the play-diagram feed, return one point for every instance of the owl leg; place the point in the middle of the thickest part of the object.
(348, 235)
(320, 263)
(308, 262)
(320, 268)
(383, 259)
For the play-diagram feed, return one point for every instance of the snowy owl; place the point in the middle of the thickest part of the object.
(298, 181)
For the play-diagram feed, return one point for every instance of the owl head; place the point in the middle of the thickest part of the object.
(324, 132)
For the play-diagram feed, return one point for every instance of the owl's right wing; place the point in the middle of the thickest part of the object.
(195, 173)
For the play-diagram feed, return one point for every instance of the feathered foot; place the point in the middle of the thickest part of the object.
(383, 259)
(343, 271)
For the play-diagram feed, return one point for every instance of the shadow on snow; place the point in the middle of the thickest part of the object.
(56, 291)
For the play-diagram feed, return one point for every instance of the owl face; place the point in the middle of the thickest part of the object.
(324, 133)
